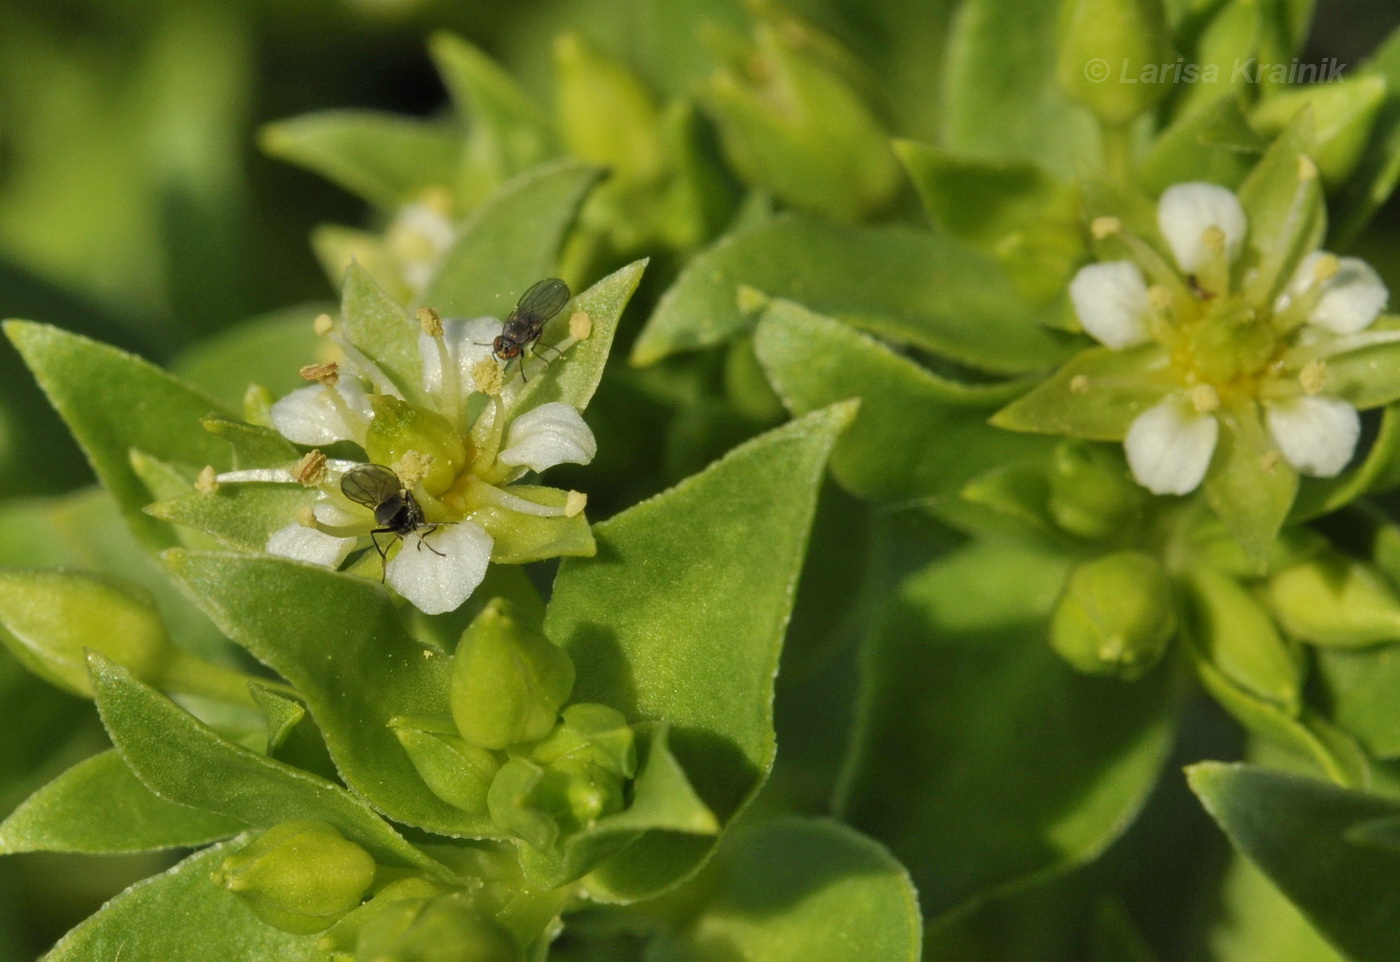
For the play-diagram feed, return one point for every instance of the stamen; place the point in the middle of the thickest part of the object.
(451, 400)
(1327, 267)
(1079, 384)
(1214, 275)
(381, 381)
(306, 517)
(327, 374)
(1205, 399)
(1266, 281)
(574, 504)
(487, 377)
(323, 325)
(208, 480)
(431, 321)
(490, 494)
(1104, 227)
(311, 469)
(1313, 377)
(580, 325)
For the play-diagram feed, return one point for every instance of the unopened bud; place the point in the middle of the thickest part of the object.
(1115, 616)
(442, 929)
(1333, 600)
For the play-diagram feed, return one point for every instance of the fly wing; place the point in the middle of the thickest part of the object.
(543, 300)
(370, 485)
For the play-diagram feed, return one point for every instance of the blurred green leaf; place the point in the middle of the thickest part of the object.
(182, 916)
(1301, 833)
(1282, 198)
(715, 557)
(184, 761)
(1213, 143)
(112, 402)
(913, 287)
(99, 807)
(511, 241)
(267, 349)
(386, 159)
(802, 890)
(1378, 171)
(324, 632)
(1096, 396)
(1257, 922)
(981, 759)
(888, 454)
(1250, 490)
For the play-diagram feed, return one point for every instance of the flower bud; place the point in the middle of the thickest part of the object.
(539, 804)
(400, 429)
(299, 876)
(458, 773)
(605, 114)
(1115, 616)
(512, 805)
(592, 733)
(1110, 51)
(1231, 632)
(1091, 493)
(508, 682)
(791, 124)
(48, 618)
(441, 929)
(1333, 600)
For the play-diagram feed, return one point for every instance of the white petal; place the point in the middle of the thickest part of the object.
(1169, 447)
(1186, 210)
(468, 340)
(441, 573)
(1317, 435)
(307, 416)
(1111, 301)
(307, 544)
(1351, 299)
(550, 434)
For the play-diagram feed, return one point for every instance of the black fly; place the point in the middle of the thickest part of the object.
(396, 510)
(522, 328)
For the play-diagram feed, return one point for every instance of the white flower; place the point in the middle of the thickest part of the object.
(438, 568)
(1170, 445)
(1111, 301)
(313, 415)
(1187, 211)
(550, 434)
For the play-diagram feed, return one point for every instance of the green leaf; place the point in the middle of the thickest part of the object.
(715, 557)
(1363, 371)
(1248, 485)
(1001, 98)
(976, 199)
(1379, 169)
(112, 402)
(267, 350)
(1282, 198)
(184, 761)
(511, 241)
(981, 759)
(100, 808)
(239, 515)
(509, 133)
(813, 361)
(1300, 832)
(1096, 396)
(380, 327)
(283, 713)
(578, 375)
(181, 916)
(1257, 922)
(663, 800)
(386, 159)
(253, 446)
(803, 890)
(324, 632)
(1213, 143)
(910, 286)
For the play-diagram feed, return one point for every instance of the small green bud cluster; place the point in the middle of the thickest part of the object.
(509, 753)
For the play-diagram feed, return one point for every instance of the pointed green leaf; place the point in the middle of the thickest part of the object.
(1257, 922)
(715, 557)
(957, 764)
(1301, 833)
(1213, 143)
(238, 515)
(1378, 172)
(112, 402)
(910, 286)
(1248, 485)
(386, 159)
(380, 326)
(577, 375)
(99, 807)
(282, 713)
(805, 890)
(324, 631)
(813, 361)
(184, 761)
(1364, 372)
(182, 916)
(1096, 396)
(253, 446)
(509, 133)
(1282, 198)
(511, 241)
